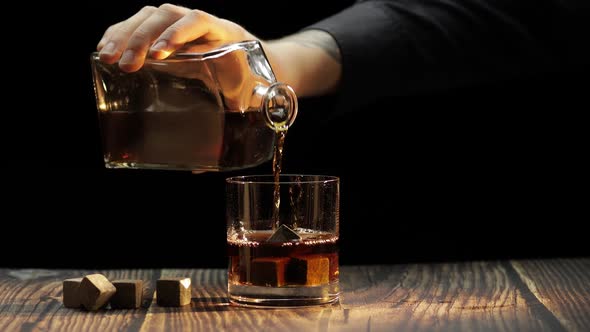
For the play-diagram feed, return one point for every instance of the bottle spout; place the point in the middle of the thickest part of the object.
(280, 106)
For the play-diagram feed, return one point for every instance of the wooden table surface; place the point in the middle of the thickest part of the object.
(533, 295)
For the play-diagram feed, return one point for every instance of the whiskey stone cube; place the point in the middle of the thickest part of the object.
(268, 272)
(95, 291)
(311, 270)
(284, 234)
(173, 292)
(71, 296)
(129, 294)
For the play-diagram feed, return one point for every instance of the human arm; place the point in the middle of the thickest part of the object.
(308, 61)
(401, 47)
(377, 49)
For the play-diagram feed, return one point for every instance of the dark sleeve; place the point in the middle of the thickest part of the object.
(401, 47)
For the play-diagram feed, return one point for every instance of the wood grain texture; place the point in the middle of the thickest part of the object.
(31, 300)
(475, 296)
(210, 310)
(563, 286)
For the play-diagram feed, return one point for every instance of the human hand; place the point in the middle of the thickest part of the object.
(157, 32)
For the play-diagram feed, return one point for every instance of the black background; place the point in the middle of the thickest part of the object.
(485, 172)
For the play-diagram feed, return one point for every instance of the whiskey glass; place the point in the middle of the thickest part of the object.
(286, 254)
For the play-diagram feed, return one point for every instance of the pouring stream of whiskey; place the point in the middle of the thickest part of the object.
(276, 167)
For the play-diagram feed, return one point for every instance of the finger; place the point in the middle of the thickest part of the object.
(114, 46)
(107, 35)
(194, 25)
(140, 41)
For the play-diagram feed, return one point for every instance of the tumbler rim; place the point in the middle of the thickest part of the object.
(283, 179)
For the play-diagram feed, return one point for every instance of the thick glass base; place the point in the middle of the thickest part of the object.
(283, 297)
